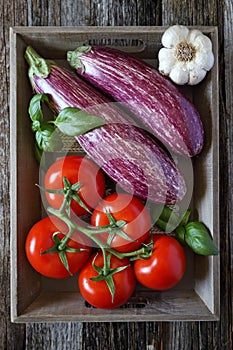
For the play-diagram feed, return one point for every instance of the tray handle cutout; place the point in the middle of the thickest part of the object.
(133, 46)
(133, 303)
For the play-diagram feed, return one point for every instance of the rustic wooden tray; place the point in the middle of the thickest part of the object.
(37, 299)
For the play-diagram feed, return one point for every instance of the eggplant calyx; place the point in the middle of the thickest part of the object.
(37, 65)
(73, 57)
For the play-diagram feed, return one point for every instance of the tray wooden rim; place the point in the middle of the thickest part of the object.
(14, 31)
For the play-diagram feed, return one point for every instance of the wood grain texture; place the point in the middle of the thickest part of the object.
(122, 336)
(213, 13)
(11, 336)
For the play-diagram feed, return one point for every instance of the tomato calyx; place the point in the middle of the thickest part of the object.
(114, 227)
(117, 224)
(106, 273)
(60, 247)
(70, 192)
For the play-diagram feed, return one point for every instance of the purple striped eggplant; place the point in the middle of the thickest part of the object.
(123, 150)
(154, 100)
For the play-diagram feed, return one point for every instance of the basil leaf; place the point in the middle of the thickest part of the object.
(43, 138)
(73, 121)
(198, 238)
(35, 110)
(48, 139)
(180, 234)
(35, 125)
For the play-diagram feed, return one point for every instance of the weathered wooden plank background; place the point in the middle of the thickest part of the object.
(185, 335)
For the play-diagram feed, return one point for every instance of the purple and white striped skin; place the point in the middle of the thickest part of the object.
(133, 159)
(124, 151)
(154, 100)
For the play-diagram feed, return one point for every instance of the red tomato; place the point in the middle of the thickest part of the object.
(75, 169)
(125, 207)
(97, 293)
(166, 266)
(40, 238)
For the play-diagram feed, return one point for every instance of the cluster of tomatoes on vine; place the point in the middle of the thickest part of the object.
(113, 250)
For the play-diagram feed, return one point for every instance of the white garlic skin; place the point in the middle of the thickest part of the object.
(186, 55)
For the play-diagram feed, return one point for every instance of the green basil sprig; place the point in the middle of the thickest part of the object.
(47, 138)
(197, 236)
(70, 121)
(193, 234)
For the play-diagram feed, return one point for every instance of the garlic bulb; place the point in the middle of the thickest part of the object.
(186, 56)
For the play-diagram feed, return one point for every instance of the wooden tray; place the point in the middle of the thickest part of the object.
(37, 299)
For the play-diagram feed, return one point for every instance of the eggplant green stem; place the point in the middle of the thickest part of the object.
(37, 65)
(73, 57)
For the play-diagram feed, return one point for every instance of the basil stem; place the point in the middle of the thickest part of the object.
(47, 138)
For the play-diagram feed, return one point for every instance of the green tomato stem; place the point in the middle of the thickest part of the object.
(105, 267)
(91, 232)
(127, 254)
